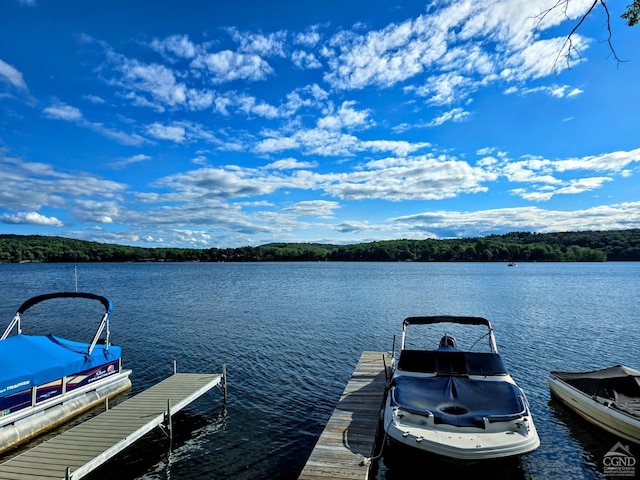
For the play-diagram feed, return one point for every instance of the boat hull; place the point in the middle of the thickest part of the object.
(599, 413)
(499, 440)
(49, 415)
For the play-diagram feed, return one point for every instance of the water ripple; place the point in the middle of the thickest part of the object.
(291, 335)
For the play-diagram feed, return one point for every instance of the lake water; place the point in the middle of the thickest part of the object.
(292, 333)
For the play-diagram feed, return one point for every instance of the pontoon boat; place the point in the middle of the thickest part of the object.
(47, 380)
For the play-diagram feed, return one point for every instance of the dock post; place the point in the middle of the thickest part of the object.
(169, 422)
(68, 474)
(175, 367)
(167, 425)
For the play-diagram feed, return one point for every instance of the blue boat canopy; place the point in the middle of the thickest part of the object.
(27, 361)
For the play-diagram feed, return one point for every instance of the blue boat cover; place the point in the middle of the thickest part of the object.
(27, 361)
(458, 401)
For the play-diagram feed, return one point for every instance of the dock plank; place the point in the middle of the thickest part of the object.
(93, 442)
(348, 439)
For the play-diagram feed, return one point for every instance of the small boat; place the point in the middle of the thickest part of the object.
(608, 398)
(512, 264)
(46, 380)
(457, 404)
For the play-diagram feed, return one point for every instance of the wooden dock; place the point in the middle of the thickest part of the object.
(79, 450)
(346, 445)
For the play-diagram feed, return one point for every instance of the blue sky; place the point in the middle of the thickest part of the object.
(203, 124)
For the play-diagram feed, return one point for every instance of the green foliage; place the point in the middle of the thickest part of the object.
(632, 13)
(619, 245)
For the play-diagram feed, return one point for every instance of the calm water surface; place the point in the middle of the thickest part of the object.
(291, 335)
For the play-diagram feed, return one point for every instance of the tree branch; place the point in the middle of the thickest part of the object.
(568, 47)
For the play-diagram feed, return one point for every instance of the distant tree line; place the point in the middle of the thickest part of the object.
(618, 245)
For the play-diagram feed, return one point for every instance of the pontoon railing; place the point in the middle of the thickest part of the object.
(104, 322)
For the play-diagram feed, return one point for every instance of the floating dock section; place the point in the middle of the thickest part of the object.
(81, 449)
(346, 445)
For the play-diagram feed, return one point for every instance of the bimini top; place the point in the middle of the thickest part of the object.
(446, 318)
(431, 320)
(27, 360)
(108, 305)
(617, 383)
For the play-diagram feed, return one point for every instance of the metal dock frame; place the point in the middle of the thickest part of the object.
(83, 448)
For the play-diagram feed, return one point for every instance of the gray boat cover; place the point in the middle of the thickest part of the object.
(619, 383)
(459, 401)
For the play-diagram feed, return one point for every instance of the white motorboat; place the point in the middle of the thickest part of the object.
(608, 398)
(458, 404)
(45, 380)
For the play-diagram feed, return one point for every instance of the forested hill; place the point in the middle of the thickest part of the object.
(618, 245)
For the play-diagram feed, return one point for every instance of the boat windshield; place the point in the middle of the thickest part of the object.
(470, 337)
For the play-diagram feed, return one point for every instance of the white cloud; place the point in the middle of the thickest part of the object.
(94, 99)
(177, 45)
(12, 75)
(31, 218)
(332, 142)
(538, 59)
(384, 57)
(613, 161)
(419, 178)
(156, 80)
(272, 44)
(175, 133)
(224, 183)
(315, 208)
(445, 89)
(580, 185)
(310, 38)
(455, 115)
(345, 117)
(274, 145)
(557, 91)
(130, 160)
(181, 132)
(289, 164)
(227, 66)
(354, 226)
(456, 49)
(60, 111)
(30, 186)
(305, 60)
(476, 223)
